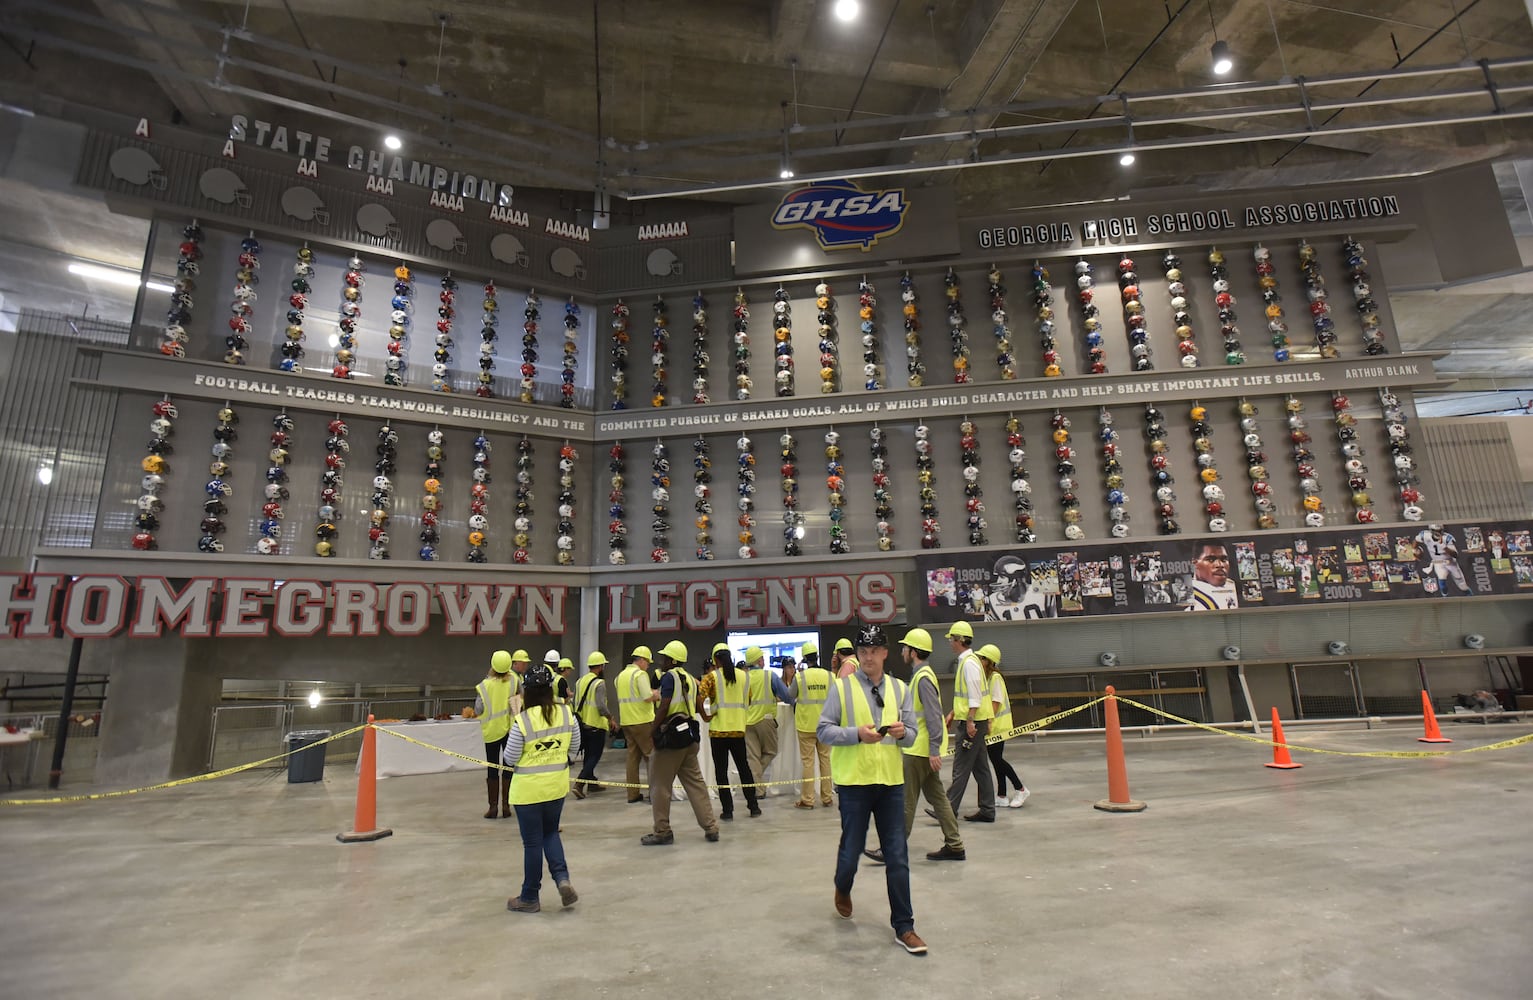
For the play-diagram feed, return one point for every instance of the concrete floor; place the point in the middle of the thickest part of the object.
(1350, 878)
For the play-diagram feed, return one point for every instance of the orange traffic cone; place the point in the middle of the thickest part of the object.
(364, 825)
(1280, 757)
(1433, 734)
(1118, 799)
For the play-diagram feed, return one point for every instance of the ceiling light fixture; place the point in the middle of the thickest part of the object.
(393, 142)
(1220, 53)
(1126, 160)
(786, 170)
(315, 698)
(45, 473)
(847, 10)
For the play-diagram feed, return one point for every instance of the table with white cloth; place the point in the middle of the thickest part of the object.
(397, 757)
(785, 767)
(25, 744)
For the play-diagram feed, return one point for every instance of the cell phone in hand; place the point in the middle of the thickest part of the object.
(883, 730)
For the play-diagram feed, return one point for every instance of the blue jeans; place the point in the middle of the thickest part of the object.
(540, 836)
(884, 805)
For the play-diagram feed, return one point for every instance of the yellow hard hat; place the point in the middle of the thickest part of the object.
(808, 649)
(676, 650)
(565, 663)
(843, 645)
(918, 639)
(642, 653)
(754, 654)
(720, 647)
(520, 656)
(596, 659)
(500, 661)
(960, 630)
(989, 652)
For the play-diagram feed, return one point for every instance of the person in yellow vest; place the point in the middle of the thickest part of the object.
(923, 758)
(721, 695)
(766, 690)
(970, 719)
(563, 689)
(538, 750)
(595, 714)
(492, 706)
(676, 747)
(1000, 700)
(867, 718)
(843, 662)
(636, 714)
(810, 685)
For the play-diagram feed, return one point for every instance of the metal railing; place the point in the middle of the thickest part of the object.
(243, 732)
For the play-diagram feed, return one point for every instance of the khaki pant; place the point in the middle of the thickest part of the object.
(809, 749)
(761, 749)
(664, 768)
(920, 780)
(641, 746)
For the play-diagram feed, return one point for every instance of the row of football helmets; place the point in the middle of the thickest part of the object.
(1093, 356)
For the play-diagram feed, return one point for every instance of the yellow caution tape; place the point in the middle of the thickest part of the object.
(1028, 727)
(182, 781)
(1515, 741)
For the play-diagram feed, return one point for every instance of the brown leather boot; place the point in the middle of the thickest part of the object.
(492, 786)
(505, 793)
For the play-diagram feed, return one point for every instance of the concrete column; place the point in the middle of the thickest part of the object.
(143, 735)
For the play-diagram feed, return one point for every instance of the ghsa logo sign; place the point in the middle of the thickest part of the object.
(842, 214)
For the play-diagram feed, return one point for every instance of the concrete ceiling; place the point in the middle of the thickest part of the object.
(682, 92)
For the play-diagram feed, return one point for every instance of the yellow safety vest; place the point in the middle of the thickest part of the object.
(543, 770)
(961, 692)
(495, 723)
(922, 746)
(631, 709)
(730, 702)
(813, 683)
(682, 690)
(585, 702)
(998, 693)
(763, 703)
(869, 763)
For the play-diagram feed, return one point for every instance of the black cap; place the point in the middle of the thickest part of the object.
(870, 636)
(539, 676)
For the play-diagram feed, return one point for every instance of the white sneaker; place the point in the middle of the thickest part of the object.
(1000, 802)
(1018, 797)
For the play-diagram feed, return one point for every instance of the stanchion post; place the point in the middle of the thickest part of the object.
(364, 825)
(1118, 799)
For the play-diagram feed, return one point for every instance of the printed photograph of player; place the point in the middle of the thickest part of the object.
(1212, 587)
(1440, 551)
(1019, 591)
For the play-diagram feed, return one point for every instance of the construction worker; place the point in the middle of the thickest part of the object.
(676, 750)
(492, 707)
(722, 697)
(542, 740)
(970, 719)
(563, 691)
(636, 714)
(1000, 701)
(810, 685)
(842, 662)
(551, 661)
(866, 720)
(595, 714)
(766, 690)
(923, 758)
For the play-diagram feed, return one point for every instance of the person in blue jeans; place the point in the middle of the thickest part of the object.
(868, 717)
(538, 749)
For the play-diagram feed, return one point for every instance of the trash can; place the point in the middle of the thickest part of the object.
(307, 763)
